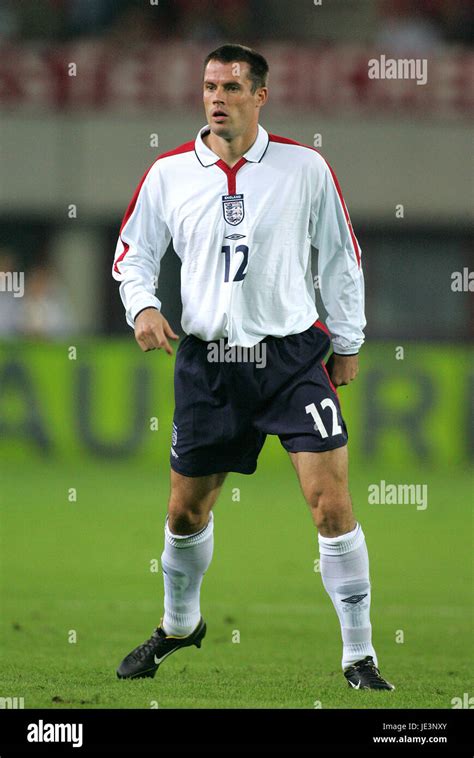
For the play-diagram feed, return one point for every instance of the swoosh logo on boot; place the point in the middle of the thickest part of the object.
(159, 660)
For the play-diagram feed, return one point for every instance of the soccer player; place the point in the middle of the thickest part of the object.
(243, 208)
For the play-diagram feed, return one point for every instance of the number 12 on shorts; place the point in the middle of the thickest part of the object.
(318, 422)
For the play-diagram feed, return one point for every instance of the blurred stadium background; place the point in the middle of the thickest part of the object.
(85, 140)
(90, 94)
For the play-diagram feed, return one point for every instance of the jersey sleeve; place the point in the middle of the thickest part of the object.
(143, 240)
(339, 265)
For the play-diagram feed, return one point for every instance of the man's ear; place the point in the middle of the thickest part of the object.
(263, 97)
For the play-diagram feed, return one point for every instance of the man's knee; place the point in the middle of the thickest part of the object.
(333, 517)
(331, 509)
(191, 501)
(185, 519)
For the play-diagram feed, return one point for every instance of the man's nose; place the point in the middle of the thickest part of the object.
(218, 95)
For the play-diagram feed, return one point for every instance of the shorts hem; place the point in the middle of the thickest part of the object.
(186, 471)
(306, 449)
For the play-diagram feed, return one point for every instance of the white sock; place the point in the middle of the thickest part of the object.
(184, 561)
(345, 575)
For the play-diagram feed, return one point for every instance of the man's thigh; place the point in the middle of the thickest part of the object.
(322, 472)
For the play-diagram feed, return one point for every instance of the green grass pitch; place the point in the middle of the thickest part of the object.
(84, 568)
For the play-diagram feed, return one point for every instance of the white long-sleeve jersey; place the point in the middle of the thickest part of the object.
(244, 236)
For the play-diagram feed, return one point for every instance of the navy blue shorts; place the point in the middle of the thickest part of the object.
(224, 410)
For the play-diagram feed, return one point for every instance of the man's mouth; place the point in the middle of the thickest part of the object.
(219, 115)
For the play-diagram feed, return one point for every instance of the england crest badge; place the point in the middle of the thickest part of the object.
(233, 208)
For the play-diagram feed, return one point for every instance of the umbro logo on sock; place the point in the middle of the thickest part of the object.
(353, 599)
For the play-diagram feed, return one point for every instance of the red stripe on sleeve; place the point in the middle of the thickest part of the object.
(346, 214)
(186, 148)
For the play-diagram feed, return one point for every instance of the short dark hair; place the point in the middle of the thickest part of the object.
(241, 54)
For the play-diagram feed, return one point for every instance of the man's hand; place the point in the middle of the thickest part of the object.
(342, 369)
(152, 331)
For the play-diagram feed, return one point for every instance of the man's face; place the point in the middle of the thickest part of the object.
(231, 107)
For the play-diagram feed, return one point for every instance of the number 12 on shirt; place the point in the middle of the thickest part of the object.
(240, 275)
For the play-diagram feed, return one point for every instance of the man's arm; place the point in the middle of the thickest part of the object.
(341, 278)
(143, 240)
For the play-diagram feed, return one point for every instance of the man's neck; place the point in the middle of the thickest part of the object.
(231, 151)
